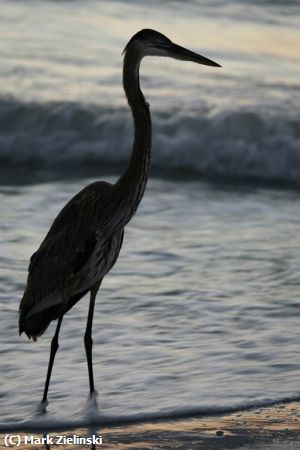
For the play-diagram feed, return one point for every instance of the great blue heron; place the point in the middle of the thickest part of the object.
(85, 239)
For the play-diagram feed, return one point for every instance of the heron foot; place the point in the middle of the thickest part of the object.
(42, 407)
(92, 400)
(93, 394)
(91, 408)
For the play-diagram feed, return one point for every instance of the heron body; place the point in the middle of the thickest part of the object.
(85, 239)
(71, 259)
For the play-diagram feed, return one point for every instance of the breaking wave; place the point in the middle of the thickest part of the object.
(229, 144)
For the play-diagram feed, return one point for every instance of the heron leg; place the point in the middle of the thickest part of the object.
(54, 347)
(88, 341)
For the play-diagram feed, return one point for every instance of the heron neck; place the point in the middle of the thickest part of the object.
(131, 185)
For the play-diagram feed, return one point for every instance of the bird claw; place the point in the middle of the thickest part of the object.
(42, 407)
(91, 409)
(93, 394)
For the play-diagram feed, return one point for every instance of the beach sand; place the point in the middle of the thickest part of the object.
(269, 428)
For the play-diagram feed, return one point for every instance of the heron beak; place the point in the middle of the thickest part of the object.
(177, 52)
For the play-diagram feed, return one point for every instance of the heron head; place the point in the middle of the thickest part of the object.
(149, 42)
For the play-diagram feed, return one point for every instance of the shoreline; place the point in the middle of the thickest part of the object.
(275, 427)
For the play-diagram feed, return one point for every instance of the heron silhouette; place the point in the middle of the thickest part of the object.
(85, 239)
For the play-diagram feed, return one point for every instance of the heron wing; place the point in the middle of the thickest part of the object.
(59, 258)
(67, 246)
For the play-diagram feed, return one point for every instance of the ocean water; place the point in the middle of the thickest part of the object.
(201, 312)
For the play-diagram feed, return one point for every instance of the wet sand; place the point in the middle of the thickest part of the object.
(270, 428)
